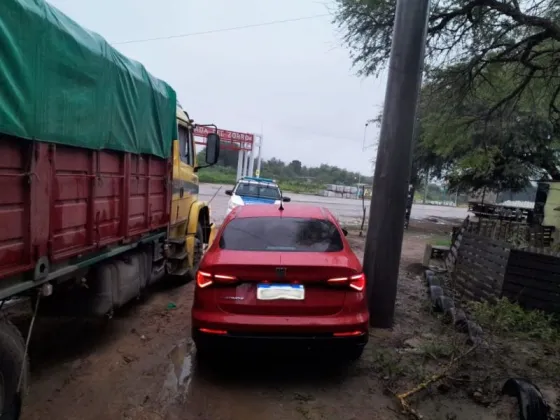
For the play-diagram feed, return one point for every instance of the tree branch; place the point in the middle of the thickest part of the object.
(528, 20)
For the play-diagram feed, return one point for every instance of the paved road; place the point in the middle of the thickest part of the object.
(347, 210)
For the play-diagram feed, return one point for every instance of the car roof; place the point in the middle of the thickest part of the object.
(290, 210)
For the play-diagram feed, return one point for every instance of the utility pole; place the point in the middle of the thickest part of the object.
(239, 164)
(259, 158)
(394, 159)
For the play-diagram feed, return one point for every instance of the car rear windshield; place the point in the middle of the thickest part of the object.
(248, 189)
(281, 234)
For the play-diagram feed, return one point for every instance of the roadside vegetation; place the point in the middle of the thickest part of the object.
(293, 176)
(489, 113)
(508, 318)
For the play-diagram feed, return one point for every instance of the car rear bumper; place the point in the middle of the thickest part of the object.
(280, 325)
(251, 342)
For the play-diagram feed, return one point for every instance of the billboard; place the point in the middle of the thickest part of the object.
(230, 139)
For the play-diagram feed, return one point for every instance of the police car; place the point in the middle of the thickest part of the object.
(251, 190)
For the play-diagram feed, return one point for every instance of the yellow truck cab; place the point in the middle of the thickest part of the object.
(190, 229)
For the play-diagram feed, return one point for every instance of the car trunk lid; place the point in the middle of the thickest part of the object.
(310, 270)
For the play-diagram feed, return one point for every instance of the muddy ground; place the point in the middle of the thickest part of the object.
(142, 365)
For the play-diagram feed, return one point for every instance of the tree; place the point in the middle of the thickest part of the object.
(475, 149)
(295, 166)
(228, 158)
(465, 38)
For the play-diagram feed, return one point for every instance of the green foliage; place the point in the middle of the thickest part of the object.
(217, 175)
(508, 317)
(479, 149)
(441, 241)
(467, 35)
(490, 107)
(473, 149)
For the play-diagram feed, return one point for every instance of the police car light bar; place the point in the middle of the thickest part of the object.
(254, 178)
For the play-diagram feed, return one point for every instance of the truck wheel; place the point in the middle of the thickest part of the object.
(12, 347)
(198, 251)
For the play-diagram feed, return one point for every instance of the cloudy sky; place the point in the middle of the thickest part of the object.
(293, 81)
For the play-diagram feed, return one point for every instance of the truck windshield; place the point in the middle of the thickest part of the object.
(248, 189)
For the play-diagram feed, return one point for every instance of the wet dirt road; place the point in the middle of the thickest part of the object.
(142, 365)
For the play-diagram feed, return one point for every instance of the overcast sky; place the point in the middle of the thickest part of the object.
(294, 80)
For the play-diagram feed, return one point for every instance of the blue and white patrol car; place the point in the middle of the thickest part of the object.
(253, 190)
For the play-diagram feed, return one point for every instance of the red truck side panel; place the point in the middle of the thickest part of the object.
(60, 202)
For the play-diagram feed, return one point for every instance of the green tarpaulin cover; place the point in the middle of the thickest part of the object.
(63, 84)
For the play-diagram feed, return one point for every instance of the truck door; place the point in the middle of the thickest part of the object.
(185, 181)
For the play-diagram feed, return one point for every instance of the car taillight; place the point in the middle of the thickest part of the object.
(204, 279)
(356, 282)
(212, 331)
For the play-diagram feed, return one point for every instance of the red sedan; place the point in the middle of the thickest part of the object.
(282, 276)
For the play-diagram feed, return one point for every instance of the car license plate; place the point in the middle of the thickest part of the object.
(280, 291)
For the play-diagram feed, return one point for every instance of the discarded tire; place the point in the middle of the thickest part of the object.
(443, 303)
(435, 292)
(532, 405)
(451, 314)
(428, 274)
(457, 318)
(474, 331)
(434, 281)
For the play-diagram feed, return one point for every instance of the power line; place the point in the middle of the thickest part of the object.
(235, 28)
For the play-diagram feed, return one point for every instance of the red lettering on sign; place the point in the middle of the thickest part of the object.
(225, 135)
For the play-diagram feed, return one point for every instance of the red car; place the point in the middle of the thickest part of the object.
(282, 276)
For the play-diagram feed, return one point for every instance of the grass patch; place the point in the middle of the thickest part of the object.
(510, 318)
(217, 175)
(388, 364)
(438, 349)
(300, 187)
(440, 241)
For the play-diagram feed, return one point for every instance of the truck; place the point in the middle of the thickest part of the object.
(98, 179)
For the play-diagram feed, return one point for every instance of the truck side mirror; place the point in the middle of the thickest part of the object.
(229, 192)
(212, 148)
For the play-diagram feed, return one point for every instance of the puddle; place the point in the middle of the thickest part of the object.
(179, 375)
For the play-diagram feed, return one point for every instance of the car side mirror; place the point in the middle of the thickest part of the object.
(229, 192)
(345, 232)
(286, 199)
(212, 148)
